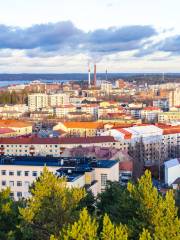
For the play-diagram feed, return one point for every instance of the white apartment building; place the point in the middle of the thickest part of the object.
(63, 110)
(150, 114)
(172, 171)
(150, 144)
(162, 103)
(19, 173)
(174, 98)
(49, 146)
(37, 101)
(58, 99)
(106, 87)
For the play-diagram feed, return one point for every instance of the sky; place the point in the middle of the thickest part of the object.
(65, 36)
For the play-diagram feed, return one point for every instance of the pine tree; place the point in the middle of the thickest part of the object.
(156, 214)
(145, 235)
(9, 218)
(108, 232)
(51, 206)
(84, 229)
(112, 232)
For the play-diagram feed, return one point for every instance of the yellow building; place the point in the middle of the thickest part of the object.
(168, 117)
(19, 127)
(83, 129)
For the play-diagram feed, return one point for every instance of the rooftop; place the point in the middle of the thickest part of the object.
(63, 140)
(80, 164)
(93, 125)
(14, 123)
(172, 163)
(6, 130)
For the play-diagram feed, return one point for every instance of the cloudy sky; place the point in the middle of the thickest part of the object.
(57, 36)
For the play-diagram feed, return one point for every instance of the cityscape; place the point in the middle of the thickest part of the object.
(89, 124)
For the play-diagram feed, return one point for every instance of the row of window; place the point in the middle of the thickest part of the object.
(19, 173)
(18, 194)
(26, 146)
(13, 183)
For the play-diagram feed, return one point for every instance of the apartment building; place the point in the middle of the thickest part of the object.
(172, 172)
(63, 110)
(106, 87)
(80, 129)
(162, 103)
(174, 97)
(19, 173)
(49, 146)
(16, 127)
(58, 99)
(150, 114)
(37, 101)
(169, 117)
(149, 144)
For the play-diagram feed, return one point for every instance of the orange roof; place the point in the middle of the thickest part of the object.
(150, 108)
(93, 125)
(168, 129)
(127, 135)
(14, 123)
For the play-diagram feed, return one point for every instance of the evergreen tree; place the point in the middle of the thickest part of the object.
(145, 235)
(8, 217)
(52, 206)
(84, 229)
(112, 232)
(156, 214)
(117, 203)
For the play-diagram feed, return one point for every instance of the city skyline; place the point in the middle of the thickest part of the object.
(64, 36)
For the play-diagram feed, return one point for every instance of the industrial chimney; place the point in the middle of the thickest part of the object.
(95, 75)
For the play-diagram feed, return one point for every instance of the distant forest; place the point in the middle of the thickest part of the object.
(139, 78)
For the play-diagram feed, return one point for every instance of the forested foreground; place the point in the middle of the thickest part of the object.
(56, 212)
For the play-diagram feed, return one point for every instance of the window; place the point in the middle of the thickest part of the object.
(11, 194)
(11, 173)
(34, 173)
(18, 173)
(26, 173)
(19, 183)
(27, 184)
(19, 194)
(3, 183)
(103, 179)
(11, 183)
(3, 172)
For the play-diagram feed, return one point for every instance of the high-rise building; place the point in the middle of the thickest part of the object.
(174, 98)
(37, 101)
(58, 99)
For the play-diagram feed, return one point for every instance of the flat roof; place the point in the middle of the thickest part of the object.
(81, 164)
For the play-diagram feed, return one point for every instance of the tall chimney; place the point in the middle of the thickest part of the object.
(95, 75)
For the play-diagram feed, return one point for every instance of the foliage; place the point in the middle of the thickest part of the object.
(112, 232)
(51, 206)
(8, 216)
(145, 235)
(57, 212)
(156, 214)
(84, 229)
(88, 202)
(117, 203)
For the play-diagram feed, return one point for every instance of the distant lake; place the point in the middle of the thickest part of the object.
(16, 82)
